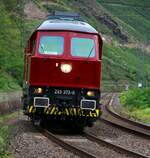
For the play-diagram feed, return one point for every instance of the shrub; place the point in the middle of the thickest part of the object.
(136, 98)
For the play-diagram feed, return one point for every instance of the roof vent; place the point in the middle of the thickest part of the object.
(64, 16)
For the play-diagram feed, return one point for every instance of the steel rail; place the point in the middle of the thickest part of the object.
(144, 131)
(66, 145)
(127, 129)
(92, 138)
(111, 110)
(114, 146)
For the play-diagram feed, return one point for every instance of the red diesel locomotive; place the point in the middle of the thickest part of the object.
(62, 72)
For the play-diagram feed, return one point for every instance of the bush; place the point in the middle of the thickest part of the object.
(4, 132)
(136, 99)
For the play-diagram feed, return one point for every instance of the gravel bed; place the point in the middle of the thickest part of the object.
(94, 148)
(120, 137)
(27, 142)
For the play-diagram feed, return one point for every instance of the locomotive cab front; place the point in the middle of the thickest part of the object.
(62, 72)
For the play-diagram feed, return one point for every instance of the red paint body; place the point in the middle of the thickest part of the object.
(44, 70)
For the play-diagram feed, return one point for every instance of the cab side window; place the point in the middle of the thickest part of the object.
(33, 47)
(32, 44)
(27, 49)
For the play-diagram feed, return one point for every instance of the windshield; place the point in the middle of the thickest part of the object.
(51, 45)
(82, 47)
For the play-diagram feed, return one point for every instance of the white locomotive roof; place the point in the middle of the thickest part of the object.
(67, 25)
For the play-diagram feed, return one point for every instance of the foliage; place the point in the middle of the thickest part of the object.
(133, 16)
(10, 52)
(4, 132)
(136, 98)
(14, 33)
(142, 115)
(122, 63)
(137, 103)
(9, 116)
(137, 3)
(10, 84)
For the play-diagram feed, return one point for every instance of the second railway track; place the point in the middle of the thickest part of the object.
(113, 118)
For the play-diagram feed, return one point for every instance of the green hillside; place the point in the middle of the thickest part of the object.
(13, 34)
(123, 22)
(133, 16)
(10, 56)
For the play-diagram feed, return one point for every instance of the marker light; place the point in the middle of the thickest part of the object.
(91, 93)
(38, 90)
(66, 68)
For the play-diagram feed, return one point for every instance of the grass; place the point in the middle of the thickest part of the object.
(133, 16)
(11, 56)
(10, 84)
(5, 131)
(12, 43)
(122, 63)
(4, 118)
(142, 115)
(137, 3)
(137, 103)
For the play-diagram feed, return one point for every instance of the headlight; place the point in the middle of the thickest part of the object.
(66, 68)
(38, 90)
(91, 93)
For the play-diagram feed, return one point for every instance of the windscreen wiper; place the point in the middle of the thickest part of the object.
(42, 47)
(90, 53)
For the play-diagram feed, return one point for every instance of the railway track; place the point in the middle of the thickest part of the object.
(89, 146)
(79, 145)
(113, 118)
(111, 110)
(66, 145)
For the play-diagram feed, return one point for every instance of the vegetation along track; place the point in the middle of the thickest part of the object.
(143, 127)
(89, 146)
(113, 118)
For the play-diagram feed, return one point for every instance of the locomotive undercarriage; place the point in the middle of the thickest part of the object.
(72, 106)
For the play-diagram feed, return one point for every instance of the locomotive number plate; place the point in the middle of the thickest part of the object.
(64, 92)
